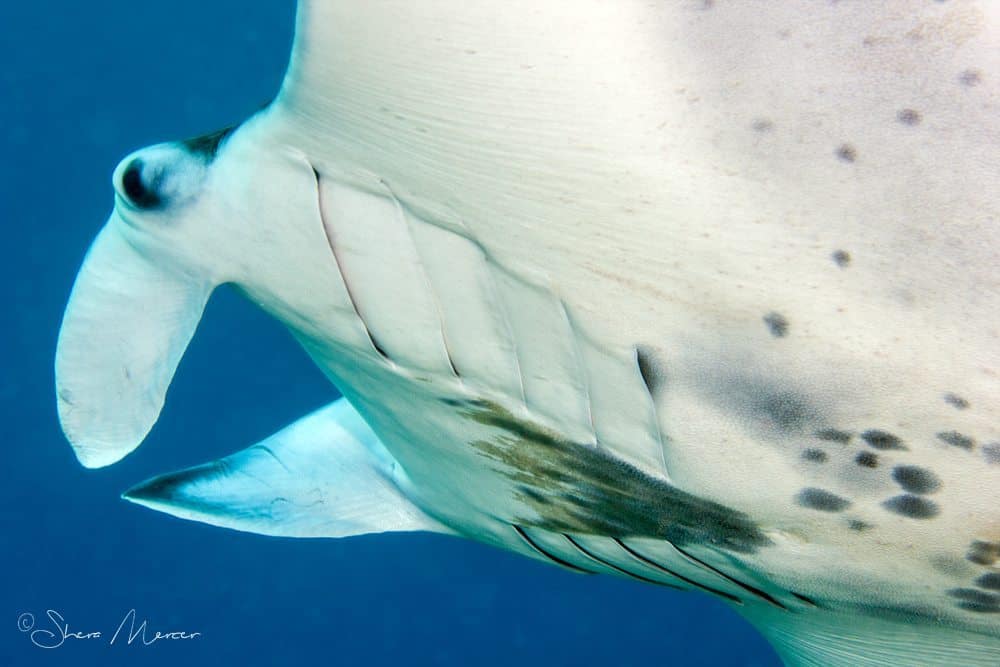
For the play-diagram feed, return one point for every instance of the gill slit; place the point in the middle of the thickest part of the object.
(747, 587)
(328, 234)
(405, 220)
(552, 557)
(581, 370)
(691, 582)
(502, 303)
(606, 563)
(656, 416)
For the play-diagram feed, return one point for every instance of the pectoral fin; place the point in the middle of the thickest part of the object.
(326, 475)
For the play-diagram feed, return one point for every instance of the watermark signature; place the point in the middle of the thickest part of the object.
(54, 631)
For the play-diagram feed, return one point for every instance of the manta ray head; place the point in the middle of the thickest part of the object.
(238, 206)
(167, 244)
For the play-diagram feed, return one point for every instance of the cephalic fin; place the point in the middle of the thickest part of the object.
(325, 475)
(129, 319)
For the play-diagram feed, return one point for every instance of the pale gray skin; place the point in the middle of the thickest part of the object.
(698, 293)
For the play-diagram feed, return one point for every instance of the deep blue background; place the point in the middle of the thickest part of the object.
(83, 84)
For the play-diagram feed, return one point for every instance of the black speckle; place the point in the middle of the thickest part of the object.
(916, 479)
(956, 401)
(207, 145)
(762, 125)
(867, 459)
(882, 439)
(909, 116)
(649, 368)
(841, 258)
(990, 580)
(834, 435)
(777, 324)
(970, 77)
(950, 566)
(846, 153)
(956, 439)
(983, 553)
(815, 455)
(913, 507)
(978, 601)
(991, 453)
(824, 501)
(858, 525)
(139, 193)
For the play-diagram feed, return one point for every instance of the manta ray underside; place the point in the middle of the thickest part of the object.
(702, 294)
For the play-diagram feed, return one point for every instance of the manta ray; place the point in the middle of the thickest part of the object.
(700, 294)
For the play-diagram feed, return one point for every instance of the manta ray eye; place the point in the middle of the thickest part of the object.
(138, 190)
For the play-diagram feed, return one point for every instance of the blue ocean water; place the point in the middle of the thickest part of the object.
(84, 84)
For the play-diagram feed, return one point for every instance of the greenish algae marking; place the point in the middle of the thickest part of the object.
(578, 489)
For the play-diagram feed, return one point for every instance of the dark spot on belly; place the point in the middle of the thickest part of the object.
(777, 324)
(824, 501)
(765, 404)
(983, 553)
(974, 600)
(990, 580)
(909, 116)
(858, 525)
(762, 125)
(912, 507)
(956, 401)
(834, 435)
(841, 258)
(950, 566)
(970, 77)
(846, 153)
(991, 453)
(590, 492)
(882, 439)
(815, 455)
(956, 439)
(916, 479)
(786, 410)
(867, 459)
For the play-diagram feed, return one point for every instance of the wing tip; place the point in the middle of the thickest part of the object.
(180, 493)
